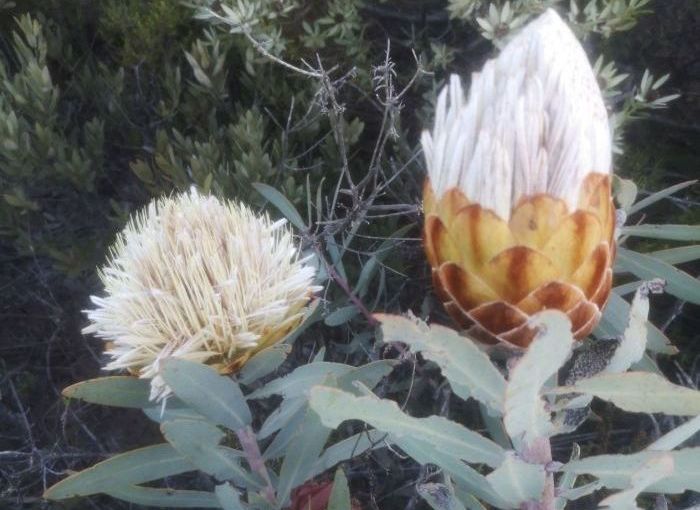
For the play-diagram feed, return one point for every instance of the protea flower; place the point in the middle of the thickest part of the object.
(518, 210)
(197, 278)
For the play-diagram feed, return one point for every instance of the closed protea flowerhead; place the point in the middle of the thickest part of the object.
(196, 278)
(518, 210)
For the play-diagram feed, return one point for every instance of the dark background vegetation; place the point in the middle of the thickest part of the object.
(124, 117)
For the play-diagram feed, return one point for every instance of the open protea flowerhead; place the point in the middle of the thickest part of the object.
(518, 209)
(196, 278)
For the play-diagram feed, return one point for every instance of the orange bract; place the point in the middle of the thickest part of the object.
(492, 274)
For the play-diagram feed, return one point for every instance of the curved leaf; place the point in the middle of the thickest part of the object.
(118, 391)
(215, 396)
(165, 498)
(134, 467)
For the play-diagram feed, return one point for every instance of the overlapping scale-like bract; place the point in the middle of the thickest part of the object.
(518, 210)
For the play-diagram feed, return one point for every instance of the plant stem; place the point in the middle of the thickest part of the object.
(540, 452)
(249, 443)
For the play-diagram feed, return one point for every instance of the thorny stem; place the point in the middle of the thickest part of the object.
(249, 443)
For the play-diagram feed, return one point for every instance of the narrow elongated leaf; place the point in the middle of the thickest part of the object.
(302, 454)
(281, 203)
(118, 391)
(639, 392)
(616, 471)
(199, 442)
(659, 195)
(440, 496)
(164, 498)
(341, 316)
(677, 436)
(336, 406)
(368, 375)
(615, 319)
(670, 232)
(280, 417)
(340, 495)
(229, 498)
(263, 363)
(653, 470)
(567, 480)
(287, 432)
(525, 414)
(678, 283)
(517, 482)
(469, 371)
(214, 396)
(348, 448)
(677, 255)
(634, 339)
(172, 409)
(301, 380)
(134, 467)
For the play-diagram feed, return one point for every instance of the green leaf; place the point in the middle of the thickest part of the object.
(282, 204)
(671, 232)
(341, 316)
(467, 368)
(214, 396)
(340, 495)
(348, 448)
(134, 467)
(263, 363)
(677, 255)
(118, 391)
(614, 321)
(678, 283)
(677, 436)
(616, 471)
(625, 192)
(634, 340)
(659, 195)
(567, 480)
(172, 409)
(165, 498)
(335, 406)
(651, 471)
(639, 392)
(304, 450)
(301, 380)
(525, 413)
(199, 442)
(517, 481)
(228, 497)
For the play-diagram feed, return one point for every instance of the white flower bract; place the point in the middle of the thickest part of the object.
(534, 122)
(201, 279)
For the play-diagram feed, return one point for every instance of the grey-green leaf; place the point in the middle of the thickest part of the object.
(659, 195)
(517, 481)
(134, 467)
(615, 319)
(525, 414)
(335, 406)
(340, 494)
(640, 392)
(281, 203)
(215, 396)
(164, 498)
(119, 391)
(302, 453)
(228, 497)
(301, 380)
(440, 496)
(670, 232)
(199, 442)
(263, 363)
(678, 283)
(616, 471)
(469, 371)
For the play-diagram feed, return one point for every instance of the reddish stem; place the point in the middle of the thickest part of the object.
(249, 443)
